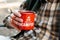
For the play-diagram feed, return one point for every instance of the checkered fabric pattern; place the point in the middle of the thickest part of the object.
(46, 20)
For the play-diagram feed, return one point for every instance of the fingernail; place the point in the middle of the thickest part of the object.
(19, 14)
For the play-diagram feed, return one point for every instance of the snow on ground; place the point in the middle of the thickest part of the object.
(4, 38)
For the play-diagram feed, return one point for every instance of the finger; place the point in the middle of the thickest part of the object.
(16, 23)
(16, 13)
(18, 19)
(10, 20)
(12, 16)
(11, 24)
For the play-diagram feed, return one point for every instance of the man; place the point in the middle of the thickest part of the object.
(45, 24)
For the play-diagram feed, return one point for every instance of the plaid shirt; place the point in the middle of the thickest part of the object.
(46, 20)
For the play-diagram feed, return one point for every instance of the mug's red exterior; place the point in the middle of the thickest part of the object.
(28, 20)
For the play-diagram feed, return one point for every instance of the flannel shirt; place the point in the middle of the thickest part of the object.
(46, 20)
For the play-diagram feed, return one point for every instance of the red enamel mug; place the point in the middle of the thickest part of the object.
(28, 20)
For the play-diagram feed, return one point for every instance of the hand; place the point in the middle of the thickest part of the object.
(15, 17)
